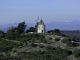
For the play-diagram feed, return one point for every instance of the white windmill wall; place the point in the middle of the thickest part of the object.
(40, 28)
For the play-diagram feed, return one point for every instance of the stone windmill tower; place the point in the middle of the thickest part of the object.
(40, 26)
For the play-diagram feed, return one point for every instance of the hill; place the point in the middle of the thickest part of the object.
(44, 46)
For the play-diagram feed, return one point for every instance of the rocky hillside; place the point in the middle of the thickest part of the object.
(44, 46)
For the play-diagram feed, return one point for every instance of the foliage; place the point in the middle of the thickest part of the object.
(32, 38)
(2, 34)
(55, 31)
(31, 29)
(21, 27)
(11, 34)
(50, 54)
(74, 34)
(49, 48)
(33, 45)
(65, 40)
(57, 39)
(33, 41)
(6, 45)
(50, 38)
(76, 53)
(70, 42)
(14, 33)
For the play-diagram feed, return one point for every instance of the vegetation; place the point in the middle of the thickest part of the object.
(50, 54)
(31, 29)
(6, 46)
(34, 46)
(11, 34)
(76, 53)
(70, 42)
(21, 27)
(57, 39)
(2, 34)
(55, 31)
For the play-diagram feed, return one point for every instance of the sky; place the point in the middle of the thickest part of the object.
(15, 11)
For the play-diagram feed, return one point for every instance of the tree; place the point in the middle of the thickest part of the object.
(2, 34)
(49, 31)
(21, 27)
(31, 29)
(11, 33)
(56, 31)
(27, 30)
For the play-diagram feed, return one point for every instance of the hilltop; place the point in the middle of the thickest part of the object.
(53, 45)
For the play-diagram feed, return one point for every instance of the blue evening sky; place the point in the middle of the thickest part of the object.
(14, 11)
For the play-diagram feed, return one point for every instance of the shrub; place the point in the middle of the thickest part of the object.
(57, 39)
(50, 38)
(76, 53)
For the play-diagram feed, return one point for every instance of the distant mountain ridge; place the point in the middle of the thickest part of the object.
(68, 25)
(6, 27)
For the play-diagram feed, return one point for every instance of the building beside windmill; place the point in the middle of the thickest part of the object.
(40, 27)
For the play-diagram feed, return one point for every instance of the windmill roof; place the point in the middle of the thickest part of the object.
(41, 22)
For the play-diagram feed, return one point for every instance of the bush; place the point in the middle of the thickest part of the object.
(76, 53)
(72, 44)
(49, 54)
(6, 45)
(49, 48)
(55, 31)
(33, 45)
(44, 41)
(50, 38)
(2, 34)
(41, 46)
(57, 39)
(66, 40)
